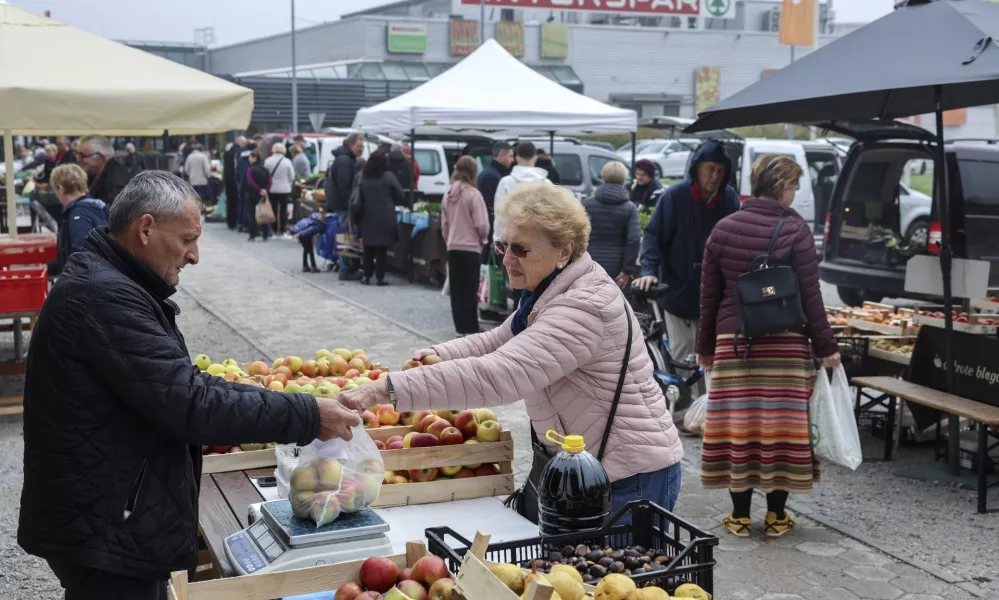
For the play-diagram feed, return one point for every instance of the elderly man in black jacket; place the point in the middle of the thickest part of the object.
(107, 175)
(112, 444)
(339, 184)
(490, 177)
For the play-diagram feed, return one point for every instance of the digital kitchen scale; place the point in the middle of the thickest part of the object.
(278, 541)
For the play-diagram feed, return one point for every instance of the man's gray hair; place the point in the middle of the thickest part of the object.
(100, 145)
(351, 139)
(158, 193)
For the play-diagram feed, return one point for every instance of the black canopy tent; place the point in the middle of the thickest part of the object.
(927, 56)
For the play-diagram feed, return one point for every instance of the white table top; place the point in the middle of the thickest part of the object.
(466, 517)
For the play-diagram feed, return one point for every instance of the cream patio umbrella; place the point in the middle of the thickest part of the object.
(55, 79)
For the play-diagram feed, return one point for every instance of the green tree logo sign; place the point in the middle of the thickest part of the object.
(718, 8)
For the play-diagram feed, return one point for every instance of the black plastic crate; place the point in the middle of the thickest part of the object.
(853, 354)
(651, 526)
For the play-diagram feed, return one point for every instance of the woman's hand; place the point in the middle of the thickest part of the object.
(705, 362)
(831, 361)
(365, 396)
(622, 280)
(419, 354)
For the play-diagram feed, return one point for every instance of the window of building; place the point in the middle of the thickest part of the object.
(394, 72)
(416, 71)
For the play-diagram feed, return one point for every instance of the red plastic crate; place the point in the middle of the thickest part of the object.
(28, 249)
(23, 289)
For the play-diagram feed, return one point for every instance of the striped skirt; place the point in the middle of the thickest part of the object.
(757, 434)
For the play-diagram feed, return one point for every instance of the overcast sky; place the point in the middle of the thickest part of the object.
(238, 20)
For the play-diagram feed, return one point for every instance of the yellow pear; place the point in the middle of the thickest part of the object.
(616, 587)
(566, 585)
(652, 593)
(691, 590)
(512, 577)
(570, 571)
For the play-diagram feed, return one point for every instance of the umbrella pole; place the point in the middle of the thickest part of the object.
(8, 153)
(633, 142)
(551, 144)
(412, 154)
(946, 256)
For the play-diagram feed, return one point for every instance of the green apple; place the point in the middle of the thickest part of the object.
(230, 362)
(202, 362)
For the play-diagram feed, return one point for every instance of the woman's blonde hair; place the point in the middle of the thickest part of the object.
(465, 171)
(70, 179)
(771, 173)
(278, 148)
(295, 151)
(51, 149)
(551, 209)
(614, 172)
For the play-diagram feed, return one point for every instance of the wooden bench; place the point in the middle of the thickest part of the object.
(985, 415)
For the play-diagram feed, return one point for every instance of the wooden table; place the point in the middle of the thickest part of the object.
(223, 510)
(14, 405)
(985, 415)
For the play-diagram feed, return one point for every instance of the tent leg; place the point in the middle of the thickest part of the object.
(551, 144)
(412, 148)
(634, 141)
(8, 152)
(946, 256)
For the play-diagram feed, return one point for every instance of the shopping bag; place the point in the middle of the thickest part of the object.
(493, 295)
(833, 427)
(484, 287)
(697, 414)
(336, 477)
(265, 214)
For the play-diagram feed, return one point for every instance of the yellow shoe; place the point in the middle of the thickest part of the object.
(777, 528)
(738, 527)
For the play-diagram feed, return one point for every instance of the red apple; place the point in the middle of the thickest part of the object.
(437, 427)
(387, 415)
(489, 431)
(426, 422)
(441, 589)
(465, 472)
(369, 596)
(370, 419)
(429, 569)
(420, 475)
(235, 449)
(394, 438)
(467, 424)
(412, 589)
(449, 415)
(283, 370)
(310, 368)
(417, 417)
(348, 591)
(380, 444)
(396, 445)
(374, 374)
(486, 470)
(219, 449)
(408, 440)
(378, 573)
(424, 440)
(452, 437)
(406, 575)
(352, 374)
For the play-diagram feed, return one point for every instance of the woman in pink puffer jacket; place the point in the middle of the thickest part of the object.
(562, 352)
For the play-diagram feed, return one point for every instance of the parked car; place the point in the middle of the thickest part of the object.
(874, 224)
(669, 156)
(625, 151)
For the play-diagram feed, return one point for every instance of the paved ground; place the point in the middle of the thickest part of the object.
(251, 300)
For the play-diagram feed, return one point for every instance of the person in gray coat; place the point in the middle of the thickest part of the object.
(614, 237)
(373, 211)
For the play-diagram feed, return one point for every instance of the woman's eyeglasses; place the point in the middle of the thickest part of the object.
(515, 249)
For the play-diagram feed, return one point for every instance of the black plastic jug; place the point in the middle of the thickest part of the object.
(575, 491)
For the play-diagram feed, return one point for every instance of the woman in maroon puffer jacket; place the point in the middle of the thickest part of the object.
(757, 433)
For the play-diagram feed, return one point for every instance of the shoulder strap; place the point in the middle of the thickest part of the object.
(773, 240)
(620, 382)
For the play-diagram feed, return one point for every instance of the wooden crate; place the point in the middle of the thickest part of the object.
(882, 328)
(450, 456)
(283, 583)
(238, 461)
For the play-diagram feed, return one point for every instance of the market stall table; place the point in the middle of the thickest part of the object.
(225, 501)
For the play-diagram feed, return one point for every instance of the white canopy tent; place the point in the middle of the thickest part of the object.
(55, 79)
(492, 92)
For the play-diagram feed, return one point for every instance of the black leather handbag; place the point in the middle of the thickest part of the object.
(769, 300)
(525, 500)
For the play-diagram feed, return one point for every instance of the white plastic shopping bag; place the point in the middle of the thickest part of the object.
(833, 427)
(697, 414)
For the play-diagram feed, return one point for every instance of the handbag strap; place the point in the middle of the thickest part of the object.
(773, 239)
(620, 383)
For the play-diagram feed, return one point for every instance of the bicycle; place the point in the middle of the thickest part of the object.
(668, 371)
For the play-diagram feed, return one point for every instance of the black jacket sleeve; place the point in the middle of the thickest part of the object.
(152, 373)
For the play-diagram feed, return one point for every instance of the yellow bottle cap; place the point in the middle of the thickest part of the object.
(569, 443)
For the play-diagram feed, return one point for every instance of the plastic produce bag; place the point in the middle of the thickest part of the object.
(336, 476)
(697, 414)
(833, 427)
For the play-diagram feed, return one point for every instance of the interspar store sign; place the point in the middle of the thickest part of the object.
(714, 9)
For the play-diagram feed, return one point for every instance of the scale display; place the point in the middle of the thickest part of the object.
(255, 547)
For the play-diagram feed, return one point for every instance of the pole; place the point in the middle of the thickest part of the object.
(946, 255)
(412, 153)
(790, 126)
(551, 144)
(8, 153)
(294, 75)
(482, 22)
(634, 142)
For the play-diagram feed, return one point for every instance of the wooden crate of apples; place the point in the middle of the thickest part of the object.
(381, 579)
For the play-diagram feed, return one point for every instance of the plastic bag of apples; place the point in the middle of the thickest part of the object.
(336, 476)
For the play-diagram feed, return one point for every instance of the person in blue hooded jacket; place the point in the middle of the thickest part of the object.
(80, 213)
(674, 240)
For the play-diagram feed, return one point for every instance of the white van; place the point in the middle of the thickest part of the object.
(330, 141)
